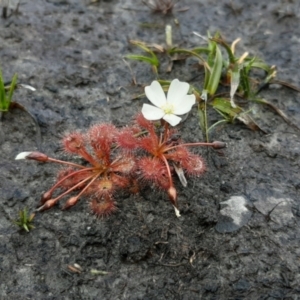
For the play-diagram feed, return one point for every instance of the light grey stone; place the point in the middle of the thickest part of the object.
(234, 214)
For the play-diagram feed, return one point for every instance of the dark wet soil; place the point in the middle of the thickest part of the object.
(72, 51)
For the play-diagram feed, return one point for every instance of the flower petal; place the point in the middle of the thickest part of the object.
(27, 86)
(23, 155)
(177, 91)
(177, 212)
(172, 119)
(151, 112)
(185, 105)
(156, 94)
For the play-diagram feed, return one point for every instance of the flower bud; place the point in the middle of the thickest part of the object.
(46, 196)
(72, 201)
(48, 204)
(37, 156)
(219, 145)
(173, 195)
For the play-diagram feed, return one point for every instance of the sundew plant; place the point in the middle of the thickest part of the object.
(140, 154)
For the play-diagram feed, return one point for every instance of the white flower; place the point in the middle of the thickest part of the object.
(177, 102)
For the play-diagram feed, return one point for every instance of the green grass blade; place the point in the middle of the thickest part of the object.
(259, 65)
(216, 124)
(150, 60)
(12, 89)
(200, 50)
(223, 105)
(245, 83)
(191, 53)
(143, 47)
(25, 227)
(202, 118)
(227, 48)
(153, 60)
(213, 79)
(2, 94)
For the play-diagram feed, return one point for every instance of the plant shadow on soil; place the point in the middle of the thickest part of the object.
(71, 51)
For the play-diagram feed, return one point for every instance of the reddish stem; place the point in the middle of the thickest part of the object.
(87, 156)
(87, 186)
(166, 130)
(168, 169)
(66, 177)
(65, 162)
(74, 187)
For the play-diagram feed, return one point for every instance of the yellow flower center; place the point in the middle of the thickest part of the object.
(168, 108)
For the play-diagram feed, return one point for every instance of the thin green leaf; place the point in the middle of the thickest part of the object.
(227, 48)
(251, 63)
(2, 94)
(150, 60)
(12, 88)
(216, 124)
(258, 64)
(31, 217)
(245, 83)
(154, 68)
(189, 52)
(153, 60)
(203, 118)
(200, 50)
(213, 79)
(25, 227)
(143, 47)
(223, 105)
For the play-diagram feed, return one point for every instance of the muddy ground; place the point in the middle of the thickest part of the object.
(72, 51)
